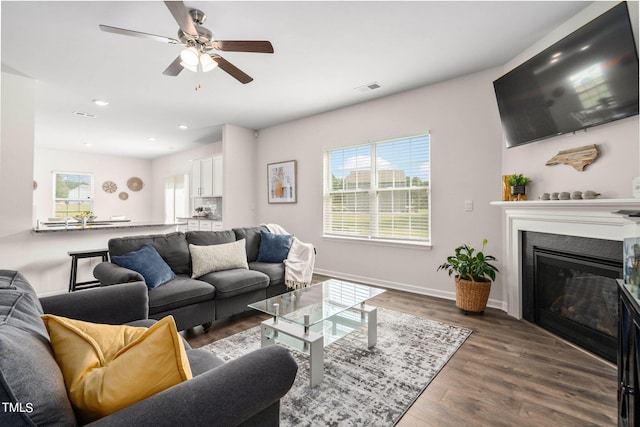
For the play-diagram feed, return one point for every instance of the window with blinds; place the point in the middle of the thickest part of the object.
(379, 191)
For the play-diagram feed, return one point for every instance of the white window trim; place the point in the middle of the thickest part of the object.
(55, 199)
(414, 244)
(376, 241)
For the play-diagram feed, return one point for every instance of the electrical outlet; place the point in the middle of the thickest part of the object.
(468, 205)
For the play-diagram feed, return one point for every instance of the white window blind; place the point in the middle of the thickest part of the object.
(379, 191)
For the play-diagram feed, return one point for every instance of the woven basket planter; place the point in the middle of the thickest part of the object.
(472, 296)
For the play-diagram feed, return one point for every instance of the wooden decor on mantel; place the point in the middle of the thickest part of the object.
(579, 158)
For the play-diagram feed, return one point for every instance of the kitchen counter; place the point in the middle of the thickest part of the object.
(48, 227)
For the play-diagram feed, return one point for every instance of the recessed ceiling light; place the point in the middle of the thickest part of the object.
(150, 138)
(183, 126)
(100, 102)
(88, 144)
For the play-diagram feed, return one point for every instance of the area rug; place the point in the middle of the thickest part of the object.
(361, 386)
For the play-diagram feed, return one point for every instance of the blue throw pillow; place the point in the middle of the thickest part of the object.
(273, 247)
(148, 262)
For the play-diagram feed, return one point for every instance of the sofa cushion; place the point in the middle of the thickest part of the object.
(148, 262)
(230, 283)
(275, 271)
(172, 247)
(206, 238)
(273, 247)
(29, 375)
(226, 256)
(179, 292)
(109, 367)
(252, 237)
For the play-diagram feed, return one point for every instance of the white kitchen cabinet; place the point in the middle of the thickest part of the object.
(203, 225)
(206, 177)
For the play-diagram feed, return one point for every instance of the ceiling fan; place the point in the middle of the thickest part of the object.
(198, 41)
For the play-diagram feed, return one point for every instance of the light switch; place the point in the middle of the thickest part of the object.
(468, 205)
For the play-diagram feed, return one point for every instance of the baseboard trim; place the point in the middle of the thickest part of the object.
(438, 293)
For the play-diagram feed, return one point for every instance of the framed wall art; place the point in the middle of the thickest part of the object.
(281, 180)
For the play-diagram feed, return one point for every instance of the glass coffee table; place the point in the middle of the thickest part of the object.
(309, 319)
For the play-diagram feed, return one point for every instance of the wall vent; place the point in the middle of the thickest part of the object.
(369, 87)
(81, 114)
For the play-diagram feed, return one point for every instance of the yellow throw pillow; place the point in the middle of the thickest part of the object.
(109, 367)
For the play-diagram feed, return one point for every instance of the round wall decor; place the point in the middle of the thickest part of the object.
(135, 184)
(109, 187)
(123, 195)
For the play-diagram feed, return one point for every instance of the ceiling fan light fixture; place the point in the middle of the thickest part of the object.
(189, 67)
(190, 56)
(207, 62)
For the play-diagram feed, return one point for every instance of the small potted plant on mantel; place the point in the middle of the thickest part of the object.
(518, 183)
(474, 274)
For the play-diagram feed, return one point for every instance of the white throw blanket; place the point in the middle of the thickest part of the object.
(298, 267)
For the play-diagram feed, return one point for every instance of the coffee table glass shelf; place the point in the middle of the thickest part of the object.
(310, 319)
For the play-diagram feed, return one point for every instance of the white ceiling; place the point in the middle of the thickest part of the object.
(323, 51)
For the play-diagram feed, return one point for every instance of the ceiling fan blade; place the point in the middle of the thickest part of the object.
(174, 68)
(232, 70)
(182, 17)
(259, 46)
(124, 32)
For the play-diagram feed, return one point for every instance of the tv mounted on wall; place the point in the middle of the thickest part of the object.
(586, 79)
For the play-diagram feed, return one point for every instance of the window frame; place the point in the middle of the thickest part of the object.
(80, 200)
(374, 190)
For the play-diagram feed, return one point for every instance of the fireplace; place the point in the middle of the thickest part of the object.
(569, 288)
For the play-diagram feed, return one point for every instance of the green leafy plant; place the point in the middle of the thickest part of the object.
(516, 180)
(471, 264)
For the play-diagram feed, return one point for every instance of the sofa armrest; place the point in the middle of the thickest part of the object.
(115, 304)
(225, 396)
(109, 273)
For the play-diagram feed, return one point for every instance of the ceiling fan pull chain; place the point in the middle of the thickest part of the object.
(198, 75)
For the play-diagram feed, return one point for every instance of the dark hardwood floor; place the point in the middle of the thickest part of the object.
(508, 373)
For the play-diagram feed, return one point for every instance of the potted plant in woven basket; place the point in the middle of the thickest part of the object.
(474, 274)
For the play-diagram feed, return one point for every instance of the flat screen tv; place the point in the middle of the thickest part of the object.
(586, 79)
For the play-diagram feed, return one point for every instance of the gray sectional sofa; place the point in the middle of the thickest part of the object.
(245, 391)
(210, 297)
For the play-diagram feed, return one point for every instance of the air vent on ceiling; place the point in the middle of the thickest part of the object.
(369, 87)
(81, 114)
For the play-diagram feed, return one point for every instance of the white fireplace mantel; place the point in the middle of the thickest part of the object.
(583, 218)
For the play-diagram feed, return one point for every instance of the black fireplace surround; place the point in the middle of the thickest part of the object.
(569, 288)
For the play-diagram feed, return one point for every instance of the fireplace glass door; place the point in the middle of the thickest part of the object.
(576, 297)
